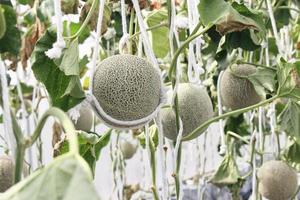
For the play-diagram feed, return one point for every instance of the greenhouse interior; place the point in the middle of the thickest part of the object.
(149, 99)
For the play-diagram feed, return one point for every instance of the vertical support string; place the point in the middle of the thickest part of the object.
(146, 42)
(60, 44)
(7, 121)
(97, 40)
(223, 146)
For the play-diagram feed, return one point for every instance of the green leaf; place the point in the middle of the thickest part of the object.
(70, 60)
(226, 18)
(159, 36)
(288, 79)
(289, 120)
(90, 146)
(227, 173)
(237, 124)
(65, 91)
(153, 132)
(242, 39)
(66, 177)
(11, 41)
(292, 153)
(263, 80)
(73, 28)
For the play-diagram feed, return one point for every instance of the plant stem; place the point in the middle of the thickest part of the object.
(238, 137)
(20, 150)
(153, 169)
(86, 20)
(235, 112)
(131, 22)
(66, 124)
(259, 65)
(287, 7)
(193, 36)
(162, 24)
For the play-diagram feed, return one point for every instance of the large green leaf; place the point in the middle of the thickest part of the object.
(65, 90)
(11, 41)
(227, 173)
(263, 80)
(159, 36)
(67, 177)
(289, 120)
(70, 60)
(228, 18)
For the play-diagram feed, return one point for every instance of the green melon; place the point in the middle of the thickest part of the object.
(195, 107)
(85, 121)
(127, 87)
(6, 173)
(128, 149)
(277, 180)
(237, 92)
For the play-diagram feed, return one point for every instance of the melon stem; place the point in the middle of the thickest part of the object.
(235, 112)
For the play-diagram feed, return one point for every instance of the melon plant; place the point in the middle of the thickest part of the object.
(236, 91)
(6, 172)
(128, 148)
(85, 121)
(2, 23)
(277, 180)
(127, 87)
(195, 107)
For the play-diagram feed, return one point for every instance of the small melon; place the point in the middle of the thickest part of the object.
(6, 173)
(195, 107)
(277, 180)
(85, 121)
(128, 148)
(237, 92)
(127, 87)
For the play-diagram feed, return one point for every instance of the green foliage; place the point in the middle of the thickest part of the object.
(61, 80)
(90, 146)
(288, 79)
(159, 36)
(11, 41)
(291, 154)
(263, 80)
(153, 133)
(66, 177)
(289, 120)
(228, 18)
(227, 172)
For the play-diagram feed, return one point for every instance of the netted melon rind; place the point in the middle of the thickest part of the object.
(6, 173)
(127, 87)
(237, 92)
(277, 180)
(195, 107)
(85, 121)
(128, 149)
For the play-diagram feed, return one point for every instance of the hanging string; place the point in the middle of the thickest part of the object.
(7, 120)
(176, 152)
(148, 49)
(97, 40)
(162, 156)
(126, 37)
(274, 27)
(60, 44)
(223, 146)
(254, 180)
(194, 68)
